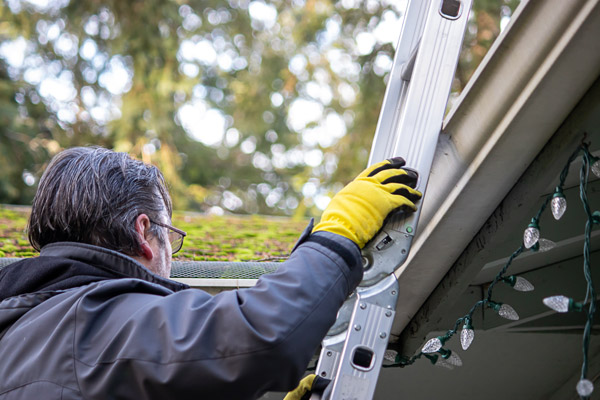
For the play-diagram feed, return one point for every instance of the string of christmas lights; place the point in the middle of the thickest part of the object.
(434, 349)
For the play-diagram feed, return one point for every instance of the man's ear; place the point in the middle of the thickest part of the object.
(142, 227)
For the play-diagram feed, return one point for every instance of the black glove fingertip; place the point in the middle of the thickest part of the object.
(408, 179)
(397, 162)
(413, 197)
(394, 162)
(412, 173)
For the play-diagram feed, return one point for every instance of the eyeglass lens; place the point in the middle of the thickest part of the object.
(176, 240)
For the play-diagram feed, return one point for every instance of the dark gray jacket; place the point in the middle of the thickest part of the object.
(83, 322)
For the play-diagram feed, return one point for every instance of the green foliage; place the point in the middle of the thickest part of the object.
(129, 68)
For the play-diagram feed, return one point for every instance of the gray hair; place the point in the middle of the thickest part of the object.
(94, 195)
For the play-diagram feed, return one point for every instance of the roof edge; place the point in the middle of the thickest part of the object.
(500, 123)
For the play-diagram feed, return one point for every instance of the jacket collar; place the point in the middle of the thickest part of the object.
(66, 265)
(112, 262)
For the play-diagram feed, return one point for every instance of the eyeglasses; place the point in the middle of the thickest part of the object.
(175, 236)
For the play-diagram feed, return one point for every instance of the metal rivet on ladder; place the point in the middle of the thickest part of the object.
(365, 262)
(357, 327)
(363, 306)
(383, 335)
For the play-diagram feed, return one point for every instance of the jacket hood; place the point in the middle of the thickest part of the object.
(65, 265)
(62, 266)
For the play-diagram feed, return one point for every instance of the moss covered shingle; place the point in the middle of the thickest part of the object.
(210, 238)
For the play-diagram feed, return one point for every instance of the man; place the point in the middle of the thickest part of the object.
(96, 317)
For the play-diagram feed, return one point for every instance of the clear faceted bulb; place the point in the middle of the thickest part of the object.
(522, 284)
(466, 338)
(559, 206)
(444, 363)
(508, 312)
(531, 236)
(432, 345)
(448, 360)
(453, 360)
(390, 355)
(596, 168)
(584, 387)
(557, 303)
(546, 244)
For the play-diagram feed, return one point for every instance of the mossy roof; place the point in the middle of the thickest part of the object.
(209, 237)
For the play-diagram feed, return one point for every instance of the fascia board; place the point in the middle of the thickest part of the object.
(528, 83)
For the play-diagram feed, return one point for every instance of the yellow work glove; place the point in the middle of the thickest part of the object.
(308, 385)
(359, 209)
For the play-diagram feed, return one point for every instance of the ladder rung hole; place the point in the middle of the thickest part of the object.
(450, 9)
(363, 358)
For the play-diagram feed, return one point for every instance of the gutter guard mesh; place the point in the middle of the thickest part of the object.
(222, 269)
(206, 269)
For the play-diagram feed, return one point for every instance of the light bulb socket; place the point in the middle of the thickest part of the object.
(432, 357)
(535, 247)
(558, 192)
(512, 280)
(402, 360)
(573, 306)
(494, 306)
(534, 224)
(468, 324)
(445, 353)
(596, 217)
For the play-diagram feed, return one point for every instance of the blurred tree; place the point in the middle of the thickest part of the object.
(25, 142)
(247, 106)
(488, 17)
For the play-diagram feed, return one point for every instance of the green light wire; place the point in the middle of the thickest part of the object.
(590, 292)
(592, 218)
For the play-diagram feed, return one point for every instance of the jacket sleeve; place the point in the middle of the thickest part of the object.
(235, 345)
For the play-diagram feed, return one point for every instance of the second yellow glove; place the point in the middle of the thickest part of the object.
(359, 209)
(308, 386)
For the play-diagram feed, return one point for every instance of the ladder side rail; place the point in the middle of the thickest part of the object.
(387, 126)
(419, 124)
(359, 363)
(410, 131)
(413, 22)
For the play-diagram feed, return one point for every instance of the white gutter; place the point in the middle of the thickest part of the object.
(214, 286)
(527, 84)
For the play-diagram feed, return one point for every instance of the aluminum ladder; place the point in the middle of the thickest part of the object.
(409, 124)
